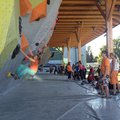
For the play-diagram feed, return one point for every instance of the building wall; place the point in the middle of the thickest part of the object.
(57, 57)
(74, 55)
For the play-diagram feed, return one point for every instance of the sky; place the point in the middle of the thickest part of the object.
(97, 43)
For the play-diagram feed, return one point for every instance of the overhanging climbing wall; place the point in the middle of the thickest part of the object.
(41, 31)
(37, 31)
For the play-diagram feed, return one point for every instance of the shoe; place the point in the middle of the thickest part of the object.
(118, 91)
(103, 96)
(108, 97)
(14, 76)
(100, 93)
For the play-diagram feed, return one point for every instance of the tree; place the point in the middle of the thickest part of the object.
(99, 59)
(117, 47)
(89, 55)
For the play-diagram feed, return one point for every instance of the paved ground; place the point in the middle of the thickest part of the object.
(55, 98)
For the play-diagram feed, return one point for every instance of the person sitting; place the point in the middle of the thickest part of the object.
(76, 72)
(91, 77)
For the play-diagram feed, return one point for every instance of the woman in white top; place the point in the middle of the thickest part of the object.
(114, 73)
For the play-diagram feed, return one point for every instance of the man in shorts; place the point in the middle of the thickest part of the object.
(105, 70)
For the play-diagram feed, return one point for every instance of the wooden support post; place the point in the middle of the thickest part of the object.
(109, 10)
(79, 44)
(68, 48)
(79, 51)
(62, 53)
(63, 50)
(109, 36)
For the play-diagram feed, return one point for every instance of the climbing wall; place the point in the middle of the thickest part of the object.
(9, 12)
(38, 30)
(41, 31)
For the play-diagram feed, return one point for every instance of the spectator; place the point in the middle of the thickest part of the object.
(105, 70)
(81, 70)
(114, 73)
(91, 77)
(69, 70)
(55, 70)
(98, 70)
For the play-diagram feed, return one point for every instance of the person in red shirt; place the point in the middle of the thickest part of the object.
(81, 70)
(91, 75)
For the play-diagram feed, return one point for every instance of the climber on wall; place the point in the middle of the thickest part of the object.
(22, 69)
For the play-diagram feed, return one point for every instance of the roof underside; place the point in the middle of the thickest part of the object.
(85, 15)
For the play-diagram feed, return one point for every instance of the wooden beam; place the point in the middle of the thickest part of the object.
(77, 38)
(73, 11)
(100, 9)
(89, 20)
(87, 2)
(81, 17)
(79, 50)
(82, 7)
(111, 9)
(85, 23)
(65, 28)
(79, 13)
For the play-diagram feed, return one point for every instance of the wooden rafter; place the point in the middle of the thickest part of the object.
(111, 8)
(100, 9)
(89, 12)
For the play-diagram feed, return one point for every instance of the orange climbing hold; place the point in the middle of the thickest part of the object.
(39, 11)
(24, 43)
(25, 7)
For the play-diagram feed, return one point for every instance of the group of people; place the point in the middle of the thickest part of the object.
(56, 69)
(77, 71)
(107, 74)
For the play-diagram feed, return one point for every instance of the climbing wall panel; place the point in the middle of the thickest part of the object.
(9, 12)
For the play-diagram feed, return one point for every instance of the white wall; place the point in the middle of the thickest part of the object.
(74, 55)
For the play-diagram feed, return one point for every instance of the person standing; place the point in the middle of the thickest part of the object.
(114, 73)
(69, 70)
(81, 70)
(55, 70)
(99, 70)
(105, 70)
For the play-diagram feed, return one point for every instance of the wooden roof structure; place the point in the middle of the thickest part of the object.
(84, 20)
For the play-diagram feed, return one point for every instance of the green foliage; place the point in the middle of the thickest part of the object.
(117, 47)
(89, 55)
